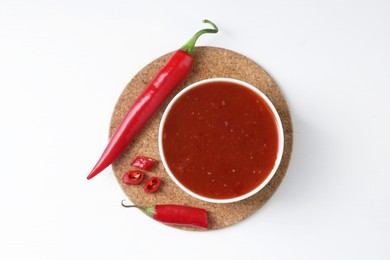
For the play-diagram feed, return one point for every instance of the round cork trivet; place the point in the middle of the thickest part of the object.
(210, 62)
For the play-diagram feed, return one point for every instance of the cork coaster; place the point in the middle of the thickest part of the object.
(210, 62)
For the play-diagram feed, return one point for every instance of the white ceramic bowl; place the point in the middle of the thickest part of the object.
(280, 140)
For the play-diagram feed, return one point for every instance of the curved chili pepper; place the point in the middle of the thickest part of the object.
(161, 86)
(176, 214)
(144, 163)
(133, 177)
(152, 184)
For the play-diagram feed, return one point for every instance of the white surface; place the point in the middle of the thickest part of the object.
(63, 65)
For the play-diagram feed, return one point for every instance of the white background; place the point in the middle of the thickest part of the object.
(63, 64)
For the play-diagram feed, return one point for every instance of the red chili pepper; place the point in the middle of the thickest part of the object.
(176, 214)
(133, 177)
(161, 86)
(144, 163)
(152, 184)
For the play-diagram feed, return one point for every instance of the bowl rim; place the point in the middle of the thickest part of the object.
(280, 139)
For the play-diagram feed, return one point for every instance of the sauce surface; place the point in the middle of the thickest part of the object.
(220, 140)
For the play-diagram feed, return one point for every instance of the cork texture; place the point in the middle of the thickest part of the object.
(210, 62)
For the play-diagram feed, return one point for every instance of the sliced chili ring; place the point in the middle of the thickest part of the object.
(152, 184)
(133, 177)
(144, 163)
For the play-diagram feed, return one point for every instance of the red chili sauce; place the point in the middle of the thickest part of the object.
(220, 140)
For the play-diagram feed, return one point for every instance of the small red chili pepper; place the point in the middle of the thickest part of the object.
(144, 163)
(162, 85)
(152, 184)
(133, 177)
(176, 214)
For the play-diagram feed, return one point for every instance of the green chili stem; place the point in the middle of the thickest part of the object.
(189, 46)
(148, 210)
